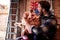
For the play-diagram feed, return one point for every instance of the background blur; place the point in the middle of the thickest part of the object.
(4, 11)
(11, 11)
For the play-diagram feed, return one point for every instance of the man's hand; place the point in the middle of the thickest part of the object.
(45, 29)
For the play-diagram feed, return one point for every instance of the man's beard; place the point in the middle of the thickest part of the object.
(40, 13)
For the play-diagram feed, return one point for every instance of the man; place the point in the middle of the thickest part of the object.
(48, 23)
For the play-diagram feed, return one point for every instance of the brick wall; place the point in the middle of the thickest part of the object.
(57, 14)
(57, 9)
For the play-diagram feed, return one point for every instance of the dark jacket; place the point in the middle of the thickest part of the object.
(50, 23)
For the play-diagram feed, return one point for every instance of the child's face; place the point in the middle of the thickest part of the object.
(33, 19)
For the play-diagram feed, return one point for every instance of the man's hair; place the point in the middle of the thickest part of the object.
(45, 5)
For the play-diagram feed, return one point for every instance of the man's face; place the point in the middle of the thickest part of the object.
(39, 8)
